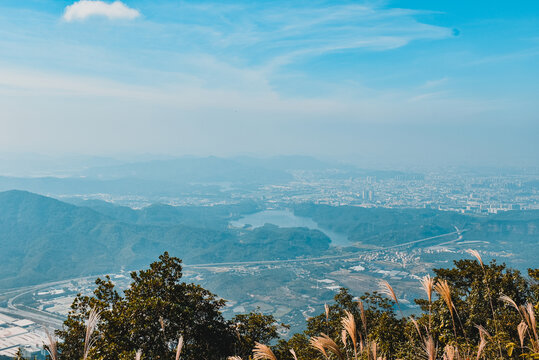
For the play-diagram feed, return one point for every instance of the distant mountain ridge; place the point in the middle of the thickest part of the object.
(185, 175)
(192, 170)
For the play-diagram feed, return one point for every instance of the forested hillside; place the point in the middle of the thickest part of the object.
(45, 239)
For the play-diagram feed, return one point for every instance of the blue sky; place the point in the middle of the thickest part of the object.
(379, 82)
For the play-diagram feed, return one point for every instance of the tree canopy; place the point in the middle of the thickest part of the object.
(472, 310)
(153, 313)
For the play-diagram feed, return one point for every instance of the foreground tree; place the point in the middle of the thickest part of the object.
(465, 315)
(473, 310)
(153, 313)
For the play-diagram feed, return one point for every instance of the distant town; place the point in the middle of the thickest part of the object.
(25, 313)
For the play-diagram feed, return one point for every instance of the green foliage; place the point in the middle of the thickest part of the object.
(44, 239)
(473, 288)
(153, 313)
(252, 328)
(158, 308)
(382, 326)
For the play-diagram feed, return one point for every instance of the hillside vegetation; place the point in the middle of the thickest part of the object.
(472, 310)
(44, 239)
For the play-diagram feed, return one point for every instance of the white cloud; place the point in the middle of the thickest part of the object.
(84, 9)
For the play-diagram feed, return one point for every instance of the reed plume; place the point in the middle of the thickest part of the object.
(430, 348)
(349, 324)
(449, 352)
(317, 344)
(532, 321)
(90, 339)
(179, 347)
(52, 345)
(427, 283)
(374, 350)
(506, 299)
(138, 354)
(233, 358)
(476, 254)
(323, 344)
(417, 328)
(363, 316)
(388, 290)
(293, 354)
(326, 308)
(162, 323)
(528, 317)
(343, 337)
(483, 334)
(521, 328)
(443, 289)
(263, 352)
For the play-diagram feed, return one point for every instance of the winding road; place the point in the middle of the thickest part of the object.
(55, 321)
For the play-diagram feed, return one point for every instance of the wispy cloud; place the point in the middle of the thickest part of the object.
(434, 83)
(84, 9)
(281, 34)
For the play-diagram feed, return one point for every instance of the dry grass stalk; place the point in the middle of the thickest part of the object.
(349, 324)
(427, 283)
(52, 345)
(263, 352)
(363, 316)
(483, 331)
(475, 254)
(179, 347)
(528, 317)
(443, 289)
(483, 334)
(90, 339)
(318, 345)
(326, 308)
(417, 328)
(532, 321)
(293, 354)
(374, 349)
(343, 337)
(162, 323)
(522, 327)
(449, 352)
(388, 290)
(323, 344)
(233, 358)
(430, 348)
(138, 354)
(506, 299)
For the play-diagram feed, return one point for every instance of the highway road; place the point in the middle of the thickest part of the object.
(329, 257)
(55, 321)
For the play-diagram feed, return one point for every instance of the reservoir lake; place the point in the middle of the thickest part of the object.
(287, 219)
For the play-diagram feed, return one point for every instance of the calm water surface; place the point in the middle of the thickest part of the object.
(286, 218)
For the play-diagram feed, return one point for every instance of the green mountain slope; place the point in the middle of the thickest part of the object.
(44, 239)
